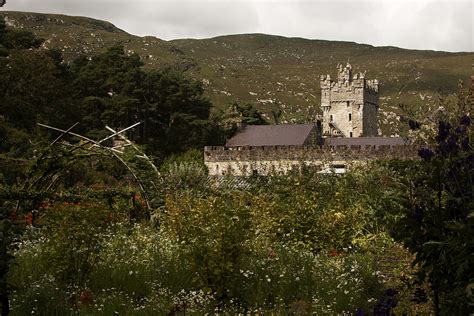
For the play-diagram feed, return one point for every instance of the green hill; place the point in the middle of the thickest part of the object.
(273, 72)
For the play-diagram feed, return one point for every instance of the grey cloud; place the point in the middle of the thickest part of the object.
(204, 19)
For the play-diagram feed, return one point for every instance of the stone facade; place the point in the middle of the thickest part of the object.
(269, 160)
(349, 105)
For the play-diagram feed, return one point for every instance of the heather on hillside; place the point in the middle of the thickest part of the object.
(277, 74)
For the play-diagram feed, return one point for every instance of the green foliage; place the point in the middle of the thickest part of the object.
(115, 90)
(110, 88)
(248, 113)
(216, 250)
(193, 156)
(20, 39)
(437, 224)
(216, 253)
(236, 115)
(74, 237)
(321, 212)
(33, 89)
(139, 270)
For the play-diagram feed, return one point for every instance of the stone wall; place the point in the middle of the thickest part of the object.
(245, 161)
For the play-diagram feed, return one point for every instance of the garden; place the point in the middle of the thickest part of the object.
(131, 224)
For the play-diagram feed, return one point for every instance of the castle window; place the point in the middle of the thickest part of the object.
(347, 103)
(350, 134)
(330, 118)
(350, 117)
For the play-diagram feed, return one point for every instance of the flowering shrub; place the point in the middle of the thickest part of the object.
(301, 244)
(142, 271)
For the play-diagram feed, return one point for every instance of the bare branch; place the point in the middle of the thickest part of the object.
(143, 155)
(63, 134)
(118, 133)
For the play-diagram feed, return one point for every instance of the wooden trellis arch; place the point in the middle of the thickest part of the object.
(91, 147)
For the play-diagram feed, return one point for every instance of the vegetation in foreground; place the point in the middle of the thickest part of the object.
(300, 244)
(297, 245)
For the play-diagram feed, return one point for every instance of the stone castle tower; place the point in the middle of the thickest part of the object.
(349, 105)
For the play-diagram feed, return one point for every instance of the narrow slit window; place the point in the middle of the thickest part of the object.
(350, 134)
(330, 118)
(350, 117)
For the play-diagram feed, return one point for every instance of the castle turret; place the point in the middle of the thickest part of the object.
(349, 105)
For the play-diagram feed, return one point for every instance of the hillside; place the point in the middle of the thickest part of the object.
(271, 71)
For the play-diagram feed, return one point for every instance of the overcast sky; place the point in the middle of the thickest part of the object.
(421, 24)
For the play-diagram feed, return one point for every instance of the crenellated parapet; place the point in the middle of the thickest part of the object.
(353, 152)
(264, 160)
(311, 153)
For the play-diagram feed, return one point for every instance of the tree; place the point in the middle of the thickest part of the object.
(34, 85)
(115, 90)
(236, 115)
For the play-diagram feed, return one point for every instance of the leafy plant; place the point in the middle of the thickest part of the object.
(437, 226)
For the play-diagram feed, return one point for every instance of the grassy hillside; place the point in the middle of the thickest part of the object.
(271, 71)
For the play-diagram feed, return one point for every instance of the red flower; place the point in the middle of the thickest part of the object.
(334, 253)
(272, 253)
(29, 218)
(86, 297)
(13, 216)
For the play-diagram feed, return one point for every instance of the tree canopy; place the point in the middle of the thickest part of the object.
(110, 88)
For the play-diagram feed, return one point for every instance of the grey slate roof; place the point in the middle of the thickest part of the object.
(272, 135)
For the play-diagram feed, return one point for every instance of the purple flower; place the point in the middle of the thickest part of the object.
(465, 144)
(414, 125)
(443, 131)
(360, 312)
(418, 215)
(425, 154)
(452, 143)
(391, 292)
(459, 130)
(465, 120)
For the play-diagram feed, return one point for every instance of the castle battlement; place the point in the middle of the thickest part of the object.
(264, 160)
(325, 152)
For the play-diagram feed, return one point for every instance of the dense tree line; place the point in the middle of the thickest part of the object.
(111, 88)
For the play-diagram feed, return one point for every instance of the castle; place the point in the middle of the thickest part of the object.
(349, 105)
(346, 135)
